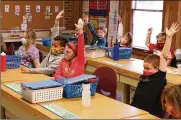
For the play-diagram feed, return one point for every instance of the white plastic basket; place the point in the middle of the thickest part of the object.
(95, 53)
(42, 95)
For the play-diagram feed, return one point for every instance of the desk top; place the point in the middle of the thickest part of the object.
(102, 107)
(129, 67)
(17, 75)
(145, 116)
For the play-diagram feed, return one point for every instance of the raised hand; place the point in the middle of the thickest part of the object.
(150, 30)
(59, 15)
(119, 19)
(173, 29)
(80, 25)
(86, 18)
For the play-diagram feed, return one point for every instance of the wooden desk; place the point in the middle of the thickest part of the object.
(102, 107)
(128, 72)
(145, 116)
(17, 75)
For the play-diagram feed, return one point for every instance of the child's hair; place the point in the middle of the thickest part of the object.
(154, 60)
(104, 29)
(30, 35)
(173, 94)
(62, 40)
(130, 39)
(162, 36)
(73, 45)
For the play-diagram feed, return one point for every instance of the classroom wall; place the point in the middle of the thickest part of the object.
(9, 19)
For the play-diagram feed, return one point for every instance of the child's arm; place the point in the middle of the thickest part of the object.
(3, 45)
(80, 49)
(120, 29)
(58, 72)
(58, 18)
(91, 28)
(36, 63)
(166, 49)
(147, 43)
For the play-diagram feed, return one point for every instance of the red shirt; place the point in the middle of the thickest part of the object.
(77, 66)
(154, 46)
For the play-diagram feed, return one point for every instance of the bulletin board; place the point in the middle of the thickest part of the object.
(10, 20)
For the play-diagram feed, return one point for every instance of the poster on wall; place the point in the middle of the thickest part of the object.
(102, 22)
(17, 10)
(56, 9)
(47, 8)
(37, 8)
(94, 20)
(6, 8)
(23, 26)
(97, 7)
(113, 22)
(27, 8)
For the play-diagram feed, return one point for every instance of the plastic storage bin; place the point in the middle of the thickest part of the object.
(124, 53)
(13, 61)
(75, 90)
(46, 42)
(42, 91)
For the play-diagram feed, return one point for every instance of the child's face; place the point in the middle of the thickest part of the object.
(171, 109)
(68, 53)
(124, 40)
(148, 67)
(160, 40)
(101, 34)
(28, 40)
(56, 47)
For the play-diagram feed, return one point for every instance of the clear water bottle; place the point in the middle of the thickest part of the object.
(86, 95)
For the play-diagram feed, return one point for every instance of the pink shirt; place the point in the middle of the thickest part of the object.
(77, 66)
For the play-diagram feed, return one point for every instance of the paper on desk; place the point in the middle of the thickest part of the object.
(113, 63)
(175, 71)
(14, 86)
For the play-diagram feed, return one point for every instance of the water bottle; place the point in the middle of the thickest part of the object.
(116, 51)
(86, 95)
(3, 62)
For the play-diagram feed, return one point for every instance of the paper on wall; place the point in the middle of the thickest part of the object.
(47, 8)
(56, 8)
(23, 26)
(6, 8)
(27, 8)
(37, 8)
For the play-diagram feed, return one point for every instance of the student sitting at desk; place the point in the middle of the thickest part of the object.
(153, 80)
(73, 63)
(98, 38)
(3, 45)
(126, 39)
(157, 48)
(51, 62)
(28, 52)
(171, 102)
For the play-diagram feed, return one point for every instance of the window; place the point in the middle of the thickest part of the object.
(146, 14)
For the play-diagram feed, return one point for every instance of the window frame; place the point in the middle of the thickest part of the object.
(140, 48)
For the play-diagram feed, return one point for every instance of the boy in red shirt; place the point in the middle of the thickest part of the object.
(157, 48)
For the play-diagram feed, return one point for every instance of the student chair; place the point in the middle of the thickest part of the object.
(10, 49)
(107, 84)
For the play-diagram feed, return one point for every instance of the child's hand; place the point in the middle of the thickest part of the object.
(173, 29)
(86, 18)
(150, 30)
(25, 69)
(59, 15)
(80, 25)
(119, 19)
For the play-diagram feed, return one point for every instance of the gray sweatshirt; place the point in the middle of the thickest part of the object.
(49, 65)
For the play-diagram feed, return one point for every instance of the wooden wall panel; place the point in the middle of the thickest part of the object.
(9, 19)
